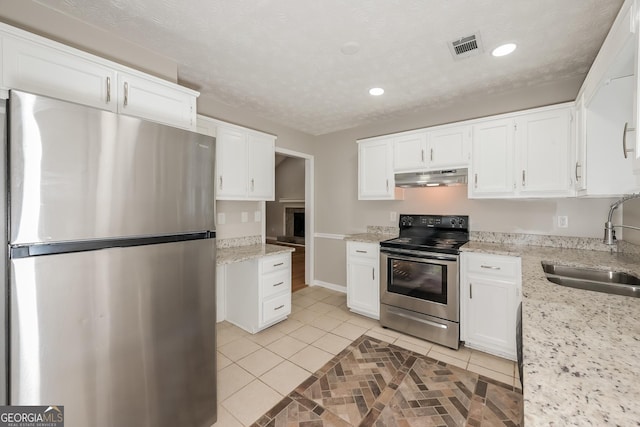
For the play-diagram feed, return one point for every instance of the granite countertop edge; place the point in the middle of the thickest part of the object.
(244, 253)
(579, 347)
(369, 237)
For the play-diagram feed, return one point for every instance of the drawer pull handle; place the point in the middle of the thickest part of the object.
(126, 94)
(278, 284)
(470, 290)
(108, 90)
(278, 264)
(490, 267)
(626, 150)
(361, 252)
(278, 307)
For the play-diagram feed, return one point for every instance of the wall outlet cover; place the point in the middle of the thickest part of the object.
(257, 216)
(563, 221)
(244, 217)
(222, 218)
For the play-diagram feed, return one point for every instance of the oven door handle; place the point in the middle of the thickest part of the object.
(426, 322)
(419, 256)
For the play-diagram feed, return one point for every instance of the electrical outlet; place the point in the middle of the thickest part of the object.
(563, 221)
(257, 216)
(244, 217)
(222, 218)
(393, 216)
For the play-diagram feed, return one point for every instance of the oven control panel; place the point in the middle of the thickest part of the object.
(434, 221)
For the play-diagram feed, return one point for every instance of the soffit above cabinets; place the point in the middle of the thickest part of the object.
(309, 64)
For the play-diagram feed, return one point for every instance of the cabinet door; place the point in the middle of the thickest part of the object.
(261, 169)
(492, 159)
(157, 101)
(363, 286)
(491, 315)
(449, 148)
(44, 70)
(231, 164)
(375, 170)
(410, 152)
(580, 152)
(543, 145)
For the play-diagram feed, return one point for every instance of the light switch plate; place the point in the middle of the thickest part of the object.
(257, 216)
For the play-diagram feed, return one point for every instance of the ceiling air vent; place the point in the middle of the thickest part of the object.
(465, 47)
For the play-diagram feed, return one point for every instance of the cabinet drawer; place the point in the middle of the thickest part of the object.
(276, 282)
(359, 249)
(276, 307)
(495, 265)
(275, 263)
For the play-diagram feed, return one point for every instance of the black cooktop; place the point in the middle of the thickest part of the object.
(431, 233)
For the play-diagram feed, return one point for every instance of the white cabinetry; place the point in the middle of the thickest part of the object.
(156, 100)
(363, 281)
(491, 173)
(376, 179)
(449, 147)
(522, 155)
(258, 292)
(490, 294)
(436, 148)
(410, 152)
(44, 70)
(607, 159)
(245, 164)
(35, 64)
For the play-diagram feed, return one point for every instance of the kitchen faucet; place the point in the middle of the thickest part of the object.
(609, 233)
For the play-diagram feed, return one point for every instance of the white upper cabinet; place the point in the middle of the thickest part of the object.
(34, 64)
(409, 152)
(491, 173)
(261, 170)
(231, 164)
(376, 179)
(543, 142)
(44, 70)
(449, 147)
(607, 158)
(155, 100)
(245, 161)
(442, 147)
(524, 155)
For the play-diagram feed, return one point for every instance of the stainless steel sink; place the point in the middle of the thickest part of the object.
(607, 281)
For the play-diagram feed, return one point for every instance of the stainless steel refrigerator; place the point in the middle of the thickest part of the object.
(109, 298)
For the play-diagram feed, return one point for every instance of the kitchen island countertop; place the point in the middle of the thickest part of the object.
(580, 347)
(244, 253)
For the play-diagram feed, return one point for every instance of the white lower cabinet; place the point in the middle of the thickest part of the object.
(258, 292)
(490, 294)
(363, 281)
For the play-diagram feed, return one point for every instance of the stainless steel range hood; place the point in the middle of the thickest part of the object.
(442, 178)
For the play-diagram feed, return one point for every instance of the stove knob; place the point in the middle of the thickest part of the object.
(461, 222)
(453, 221)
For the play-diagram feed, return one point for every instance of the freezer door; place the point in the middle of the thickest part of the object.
(78, 173)
(120, 337)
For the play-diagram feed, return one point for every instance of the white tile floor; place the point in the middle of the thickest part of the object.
(256, 371)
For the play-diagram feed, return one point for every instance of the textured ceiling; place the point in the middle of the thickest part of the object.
(282, 59)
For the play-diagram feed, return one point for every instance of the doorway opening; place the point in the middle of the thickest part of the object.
(289, 218)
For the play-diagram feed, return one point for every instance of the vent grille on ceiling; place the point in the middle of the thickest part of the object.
(465, 47)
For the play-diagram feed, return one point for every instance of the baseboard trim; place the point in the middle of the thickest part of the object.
(332, 286)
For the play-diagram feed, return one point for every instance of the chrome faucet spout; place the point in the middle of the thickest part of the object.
(609, 232)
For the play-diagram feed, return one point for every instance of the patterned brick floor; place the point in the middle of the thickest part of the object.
(375, 384)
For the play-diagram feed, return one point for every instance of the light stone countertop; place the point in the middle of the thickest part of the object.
(244, 253)
(581, 348)
(369, 237)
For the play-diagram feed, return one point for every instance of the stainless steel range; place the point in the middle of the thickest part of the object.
(419, 277)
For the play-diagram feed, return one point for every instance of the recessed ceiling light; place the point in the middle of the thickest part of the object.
(376, 91)
(350, 48)
(503, 50)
